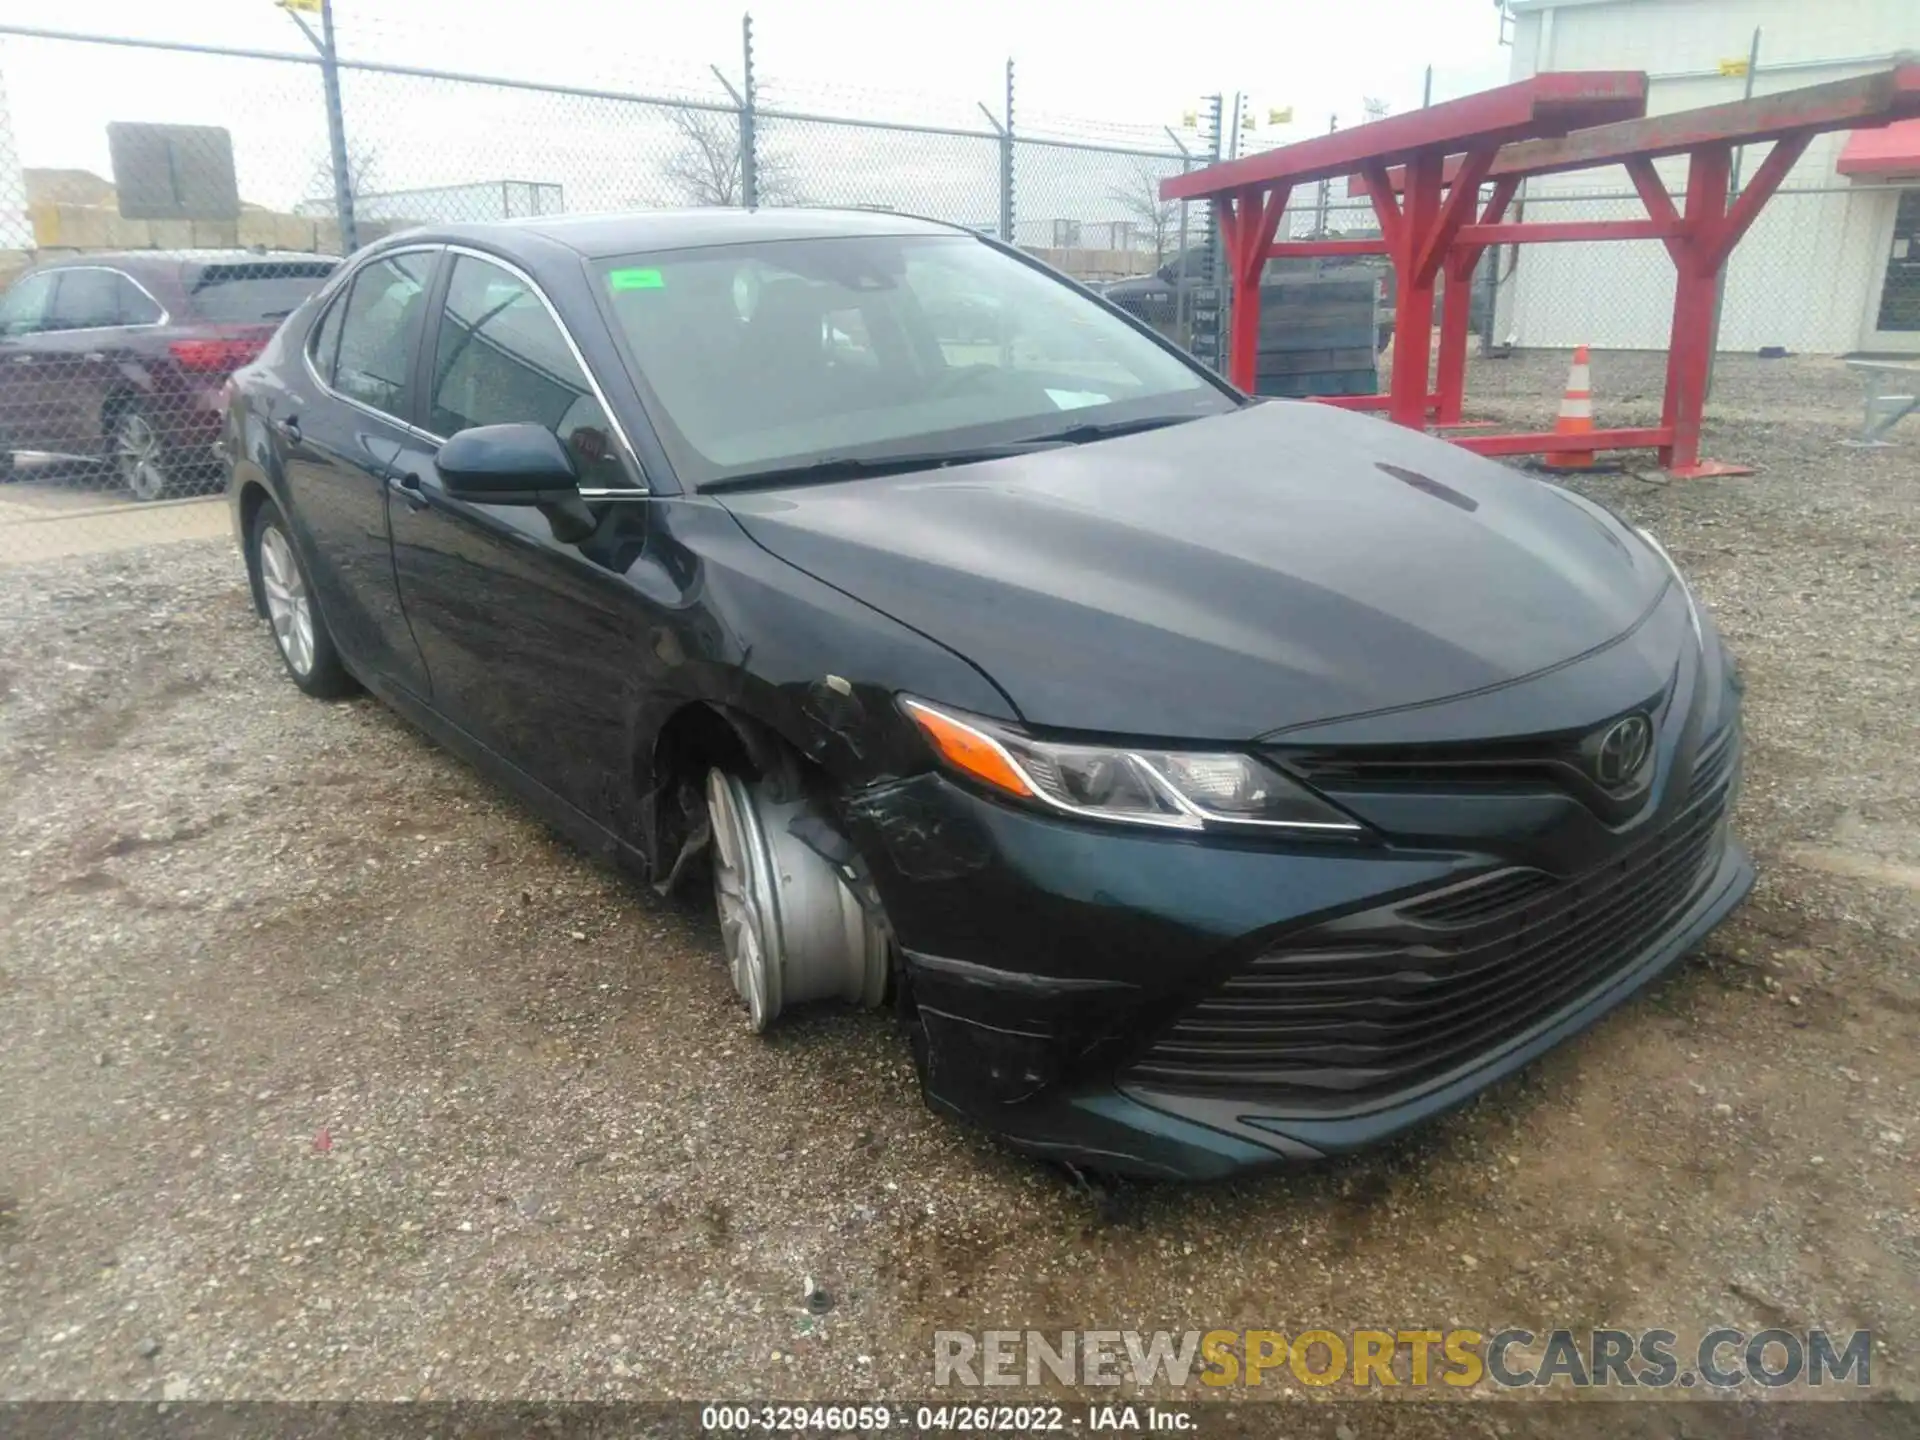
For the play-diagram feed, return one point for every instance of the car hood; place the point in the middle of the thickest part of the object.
(1281, 565)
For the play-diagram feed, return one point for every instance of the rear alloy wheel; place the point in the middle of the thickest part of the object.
(791, 929)
(138, 459)
(299, 629)
(288, 607)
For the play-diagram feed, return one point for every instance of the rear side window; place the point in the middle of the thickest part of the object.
(378, 325)
(254, 294)
(500, 359)
(325, 343)
(136, 306)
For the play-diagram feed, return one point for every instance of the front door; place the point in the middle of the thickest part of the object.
(342, 441)
(535, 645)
(80, 355)
(1895, 323)
(25, 422)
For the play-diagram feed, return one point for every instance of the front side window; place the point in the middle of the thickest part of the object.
(86, 300)
(765, 356)
(378, 324)
(24, 310)
(500, 359)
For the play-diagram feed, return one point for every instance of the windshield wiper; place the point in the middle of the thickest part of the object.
(1081, 434)
(859, 467)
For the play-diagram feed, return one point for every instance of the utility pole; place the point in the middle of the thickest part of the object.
(743, 112)
(1004, 129)
(336, 122)
(749, 154)
(1006, 164)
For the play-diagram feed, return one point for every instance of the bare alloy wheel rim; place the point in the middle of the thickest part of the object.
(137, 457)
(740, 897)
(287, 604)
(792, 929)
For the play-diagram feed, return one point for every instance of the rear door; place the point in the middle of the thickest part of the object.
(535, 644)
(343, 427)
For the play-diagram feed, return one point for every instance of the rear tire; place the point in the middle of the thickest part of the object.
(293, 610)
(139, 459)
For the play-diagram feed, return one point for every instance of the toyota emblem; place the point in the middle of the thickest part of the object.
(1622, 751)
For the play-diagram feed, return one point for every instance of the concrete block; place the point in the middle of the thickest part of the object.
(215, 234)
(172, 234)
(258, 227)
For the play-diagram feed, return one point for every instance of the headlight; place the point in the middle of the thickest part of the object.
(1171, 789)
(1693, 605)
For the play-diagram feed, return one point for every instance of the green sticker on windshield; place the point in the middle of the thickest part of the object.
(636, 280)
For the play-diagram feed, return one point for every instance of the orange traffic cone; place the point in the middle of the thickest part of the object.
(1576, 414)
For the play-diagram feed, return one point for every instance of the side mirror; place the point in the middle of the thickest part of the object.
(522, 464)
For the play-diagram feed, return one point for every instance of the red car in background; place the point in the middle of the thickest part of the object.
(122, 357)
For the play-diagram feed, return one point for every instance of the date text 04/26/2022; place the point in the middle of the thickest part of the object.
(960, 1418)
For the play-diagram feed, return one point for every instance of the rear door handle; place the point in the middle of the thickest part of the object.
(289, 427)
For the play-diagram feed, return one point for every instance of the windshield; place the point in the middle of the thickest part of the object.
(770, 356)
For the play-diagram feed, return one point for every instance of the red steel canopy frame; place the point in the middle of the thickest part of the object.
(1424, 172)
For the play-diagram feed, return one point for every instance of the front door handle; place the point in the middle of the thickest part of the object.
(289, 427)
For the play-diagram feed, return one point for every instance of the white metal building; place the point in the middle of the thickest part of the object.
(1832, 265)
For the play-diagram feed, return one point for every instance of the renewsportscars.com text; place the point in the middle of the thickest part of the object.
(1721, 1359)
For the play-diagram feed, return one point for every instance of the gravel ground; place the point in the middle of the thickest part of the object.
(328, 1073)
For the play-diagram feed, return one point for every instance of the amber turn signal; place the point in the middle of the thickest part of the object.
(968, 750)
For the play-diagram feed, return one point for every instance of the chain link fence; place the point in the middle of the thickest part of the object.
(164, 203)
(137, 279)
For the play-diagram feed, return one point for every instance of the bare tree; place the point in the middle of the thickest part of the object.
(1155, 218)
(705, 168)
(363, 173)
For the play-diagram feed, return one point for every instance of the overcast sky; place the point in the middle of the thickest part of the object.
(1117, 71)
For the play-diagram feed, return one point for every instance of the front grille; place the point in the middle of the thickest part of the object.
(1559, 762)
(1377, 1003)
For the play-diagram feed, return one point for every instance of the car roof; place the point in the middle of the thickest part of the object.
(173, 261)
(600, 236)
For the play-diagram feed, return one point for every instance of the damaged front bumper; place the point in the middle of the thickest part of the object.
(1045, 957)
